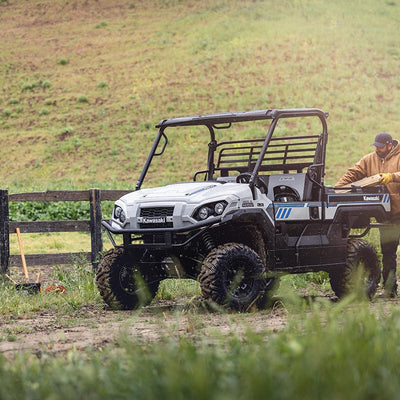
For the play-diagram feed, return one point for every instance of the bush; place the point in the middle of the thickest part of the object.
(29, 86)
(82, 98)
(44, 111)
(46, 84)
(49, 211)
(102, 85)
(67, 130)
(7, 112)
(63, 61)
(101, 24)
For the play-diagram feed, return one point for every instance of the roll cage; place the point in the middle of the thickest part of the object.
(270, 154)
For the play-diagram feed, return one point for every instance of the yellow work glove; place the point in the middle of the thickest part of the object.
(386, 178)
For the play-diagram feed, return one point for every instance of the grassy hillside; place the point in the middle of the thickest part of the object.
(82, 83)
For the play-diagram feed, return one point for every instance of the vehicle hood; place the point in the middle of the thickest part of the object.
(189, 192)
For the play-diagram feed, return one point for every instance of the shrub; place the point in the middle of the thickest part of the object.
(7, 112)
(46, 84)
(67, 129)
(13, 101)
(29, 86)
(44, 111)
(48, 211)
(101, 24)
(82, 98)
(63, 61)
(102, 85)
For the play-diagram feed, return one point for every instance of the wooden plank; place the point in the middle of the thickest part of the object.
(49, 259)
(50, 226)
(369, 181)
(51, 195)
(112, 195)
(67, 195)
(365, 182)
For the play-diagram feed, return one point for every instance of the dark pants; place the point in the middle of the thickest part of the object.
(389, 241)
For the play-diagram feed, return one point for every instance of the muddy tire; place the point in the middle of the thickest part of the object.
(361, 273)
(232, 275)
(124, 283)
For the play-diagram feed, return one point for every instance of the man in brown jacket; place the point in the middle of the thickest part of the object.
(385, 160)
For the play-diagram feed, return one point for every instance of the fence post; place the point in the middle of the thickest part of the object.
(4, 232)
(95, 226)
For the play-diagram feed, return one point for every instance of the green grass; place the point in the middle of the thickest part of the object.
(338, 56)
(78, 106)
(81, 290)
(332, 354)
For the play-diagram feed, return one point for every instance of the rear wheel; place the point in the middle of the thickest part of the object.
(233, 275)
(125, 282)
(361, 273)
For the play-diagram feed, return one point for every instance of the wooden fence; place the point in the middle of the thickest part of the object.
(7, 227)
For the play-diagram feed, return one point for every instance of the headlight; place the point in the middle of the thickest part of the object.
(119, 214)
(204, 213)
(219, 208)
(210, 210)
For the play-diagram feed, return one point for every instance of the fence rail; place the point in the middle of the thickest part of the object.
(7, 227)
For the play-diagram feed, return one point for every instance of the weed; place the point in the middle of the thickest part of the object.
(102, 85)
(29, 86)
(101, 24)
(7, 112)
(44, 111)
(67, 130)
(46, 84)
(82, 98)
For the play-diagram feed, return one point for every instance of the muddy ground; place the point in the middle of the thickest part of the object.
(93, 328)
(46, 332)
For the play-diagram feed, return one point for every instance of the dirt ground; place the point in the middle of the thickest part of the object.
(91, 327)
(47, 332)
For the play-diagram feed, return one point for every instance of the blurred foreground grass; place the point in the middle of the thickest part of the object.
(327, 350)
(336, 351)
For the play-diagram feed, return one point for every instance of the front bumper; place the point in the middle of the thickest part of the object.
(193, 227)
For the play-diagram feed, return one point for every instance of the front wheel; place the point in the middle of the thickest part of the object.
(125, 282)
(233, 275)
(361, 273)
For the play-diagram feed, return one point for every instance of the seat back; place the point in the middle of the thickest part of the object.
(299, 183)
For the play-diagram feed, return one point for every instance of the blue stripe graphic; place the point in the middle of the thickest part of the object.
(283, 212)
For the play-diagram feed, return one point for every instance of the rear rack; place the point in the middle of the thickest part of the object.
(284, 154)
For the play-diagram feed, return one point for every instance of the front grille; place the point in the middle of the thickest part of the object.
(157, 212)
(150, 217)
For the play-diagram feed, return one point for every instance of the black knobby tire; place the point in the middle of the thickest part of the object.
(124, 283)
(232, 275)
(361, 272)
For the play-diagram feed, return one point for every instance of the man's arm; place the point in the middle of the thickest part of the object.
(353, 174)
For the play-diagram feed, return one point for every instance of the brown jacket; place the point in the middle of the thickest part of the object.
(372, 164)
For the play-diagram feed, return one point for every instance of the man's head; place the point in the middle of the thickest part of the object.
(383, 144)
